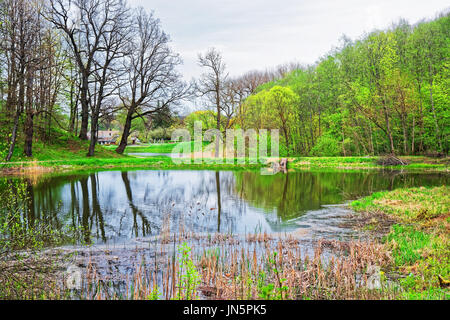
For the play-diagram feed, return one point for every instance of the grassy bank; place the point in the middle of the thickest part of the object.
(416, 163)
(63, 148)
(68, 153)
(419, 239)
(125, 162)
(71, 155)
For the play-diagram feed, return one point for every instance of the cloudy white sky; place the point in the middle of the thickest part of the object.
(260, 34)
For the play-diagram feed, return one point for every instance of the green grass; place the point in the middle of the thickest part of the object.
(408, 243)
(126, 162)
(416, 163)
(66, 152)
(420, 242)
(159, 148)
(408, 204)
(64, 148)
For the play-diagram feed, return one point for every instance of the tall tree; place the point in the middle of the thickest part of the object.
(19, 30)
(107, 70)
(212, 83)
(152, 82)
(84, 23)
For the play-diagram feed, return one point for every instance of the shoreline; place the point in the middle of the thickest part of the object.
(343, 164)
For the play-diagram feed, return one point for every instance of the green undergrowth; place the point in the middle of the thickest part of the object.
(27, 273)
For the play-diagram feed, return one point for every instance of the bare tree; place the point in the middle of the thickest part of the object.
(238, 89)
(212, 83)
(72, 81)
(44, 81)
(19, 38)
(107, 70)
(84, 24)
(153, 84)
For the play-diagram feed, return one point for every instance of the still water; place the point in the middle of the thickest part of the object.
(115, 206)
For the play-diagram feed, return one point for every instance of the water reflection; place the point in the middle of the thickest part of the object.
(115, 206)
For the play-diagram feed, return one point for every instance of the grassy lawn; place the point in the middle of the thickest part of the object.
(419, 240)
(156, 148)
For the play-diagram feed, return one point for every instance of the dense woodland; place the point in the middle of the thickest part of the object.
(387, 92)
(71, 68)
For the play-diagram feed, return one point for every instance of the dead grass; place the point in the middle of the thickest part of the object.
(257, 266)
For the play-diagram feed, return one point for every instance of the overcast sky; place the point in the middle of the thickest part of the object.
(260, 34)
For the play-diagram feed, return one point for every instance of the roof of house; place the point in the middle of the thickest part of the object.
(106, 135)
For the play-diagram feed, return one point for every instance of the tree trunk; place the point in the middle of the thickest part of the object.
(94, 124)
(28, 129)
(73, 109)
(13, 136)
(343, 141)
(388, 129)
(286, 138)
(19, 110)
(405, 135)
(438, 138)
(421, 131)
(413, 135)
(84, 109)
(218, 125)
(126, 132)
(311, 128)
(372, 149)
(28, 148)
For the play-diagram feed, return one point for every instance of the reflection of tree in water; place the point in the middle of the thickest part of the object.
(143, 203)
(113, 205)
(219, 203)
(145, 224)
(30, 209)
(43, 204)
(295, 193)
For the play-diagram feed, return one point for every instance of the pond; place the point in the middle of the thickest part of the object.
(116, 206)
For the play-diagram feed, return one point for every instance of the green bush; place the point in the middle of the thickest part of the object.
(160, 133)
(327, 146)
